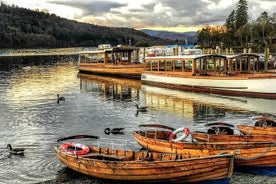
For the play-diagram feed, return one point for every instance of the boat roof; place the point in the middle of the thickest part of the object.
(118, 48)
(197, 56)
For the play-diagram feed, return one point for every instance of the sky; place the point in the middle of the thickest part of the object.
(170, 15)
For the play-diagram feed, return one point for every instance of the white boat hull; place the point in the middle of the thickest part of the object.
(263, 87)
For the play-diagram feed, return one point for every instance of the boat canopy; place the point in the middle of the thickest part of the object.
(205, 64)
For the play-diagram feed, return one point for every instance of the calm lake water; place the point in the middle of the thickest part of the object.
(32, 118)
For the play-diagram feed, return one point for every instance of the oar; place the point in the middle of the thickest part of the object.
(157, 126)
(78, 137)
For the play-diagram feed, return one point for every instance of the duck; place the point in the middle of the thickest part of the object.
(114, 131)
(60, 98)
(141, 108)
(15, 151)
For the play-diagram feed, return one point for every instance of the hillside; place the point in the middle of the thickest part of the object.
(189, 37)
(24, 28)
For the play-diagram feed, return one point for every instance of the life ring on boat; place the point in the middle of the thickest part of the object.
(74, 148)
(185, 131)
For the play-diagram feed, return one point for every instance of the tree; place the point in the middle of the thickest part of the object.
(230, 22)
(241, 14)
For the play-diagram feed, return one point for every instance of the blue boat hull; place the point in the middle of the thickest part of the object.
(258, 170)
(218, 181)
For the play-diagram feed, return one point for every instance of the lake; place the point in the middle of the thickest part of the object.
(32, 118)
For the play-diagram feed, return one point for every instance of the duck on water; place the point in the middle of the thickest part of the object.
(60, 98)
(15, 151)
(114, 131)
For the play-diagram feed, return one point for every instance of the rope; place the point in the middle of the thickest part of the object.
(258, 155)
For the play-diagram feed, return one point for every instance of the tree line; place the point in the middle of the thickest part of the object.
(24, 28)
(239, 31)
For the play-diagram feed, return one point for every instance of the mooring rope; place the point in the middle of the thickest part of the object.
(258, 155)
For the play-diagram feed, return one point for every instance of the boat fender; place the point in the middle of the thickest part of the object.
(74, 148)
(185, 131)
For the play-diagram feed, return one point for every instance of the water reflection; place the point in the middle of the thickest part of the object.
(195, 105)
(113, 88)
(29, 84)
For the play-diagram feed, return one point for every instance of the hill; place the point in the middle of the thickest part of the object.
(24, 28)
(189, 37)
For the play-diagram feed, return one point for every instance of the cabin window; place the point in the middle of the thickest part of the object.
(109, 58)
(188, 65)
(88, 58)
(154, 65)
(169, 65)
(211, 65)
(93, 58)
(161, 65)
(125, 55)
(220, 65)
(148, 65)
(178, 65)
(100, 58)
(82, 59)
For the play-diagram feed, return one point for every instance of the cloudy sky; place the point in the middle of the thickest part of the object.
(172, 15)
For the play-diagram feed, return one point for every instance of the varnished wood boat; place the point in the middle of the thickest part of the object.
(253, 157)
(205, 137)
(262, 126)
(223, 132)
(144, 166)
(120, 61)
(256, 130)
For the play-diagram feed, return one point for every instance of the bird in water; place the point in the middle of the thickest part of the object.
(15, 151)
(60, 98)
(141, 108)
(114, 131)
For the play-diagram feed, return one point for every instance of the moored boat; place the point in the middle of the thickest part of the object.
(121, 61)
(252, 157)
(235, 75)
(224, 132)
(205, 137)
(256, 130)
(144, 166)
(262, 126)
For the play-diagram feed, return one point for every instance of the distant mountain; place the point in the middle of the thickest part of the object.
(25, 28)
(190, 36)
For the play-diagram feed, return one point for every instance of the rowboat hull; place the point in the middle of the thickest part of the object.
(142, 166)
(247, 155)
(255, 130)
(233, 138)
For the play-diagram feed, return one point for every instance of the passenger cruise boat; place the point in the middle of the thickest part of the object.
(120, 61)
(236, 75)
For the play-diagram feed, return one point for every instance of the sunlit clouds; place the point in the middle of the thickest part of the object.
(182, 15)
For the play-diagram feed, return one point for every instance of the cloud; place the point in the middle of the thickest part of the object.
(152, 13)
(98, 7)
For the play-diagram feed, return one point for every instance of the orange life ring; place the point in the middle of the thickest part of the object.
(185, 131)
(74, 148)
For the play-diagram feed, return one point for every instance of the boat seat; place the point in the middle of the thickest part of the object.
(107, 157)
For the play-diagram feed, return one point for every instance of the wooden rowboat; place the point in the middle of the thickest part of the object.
(252, 157)
(205, 137)
(263, 126)
(256, 130)
(144, 166)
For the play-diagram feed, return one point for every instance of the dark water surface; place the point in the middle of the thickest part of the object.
(32, 118)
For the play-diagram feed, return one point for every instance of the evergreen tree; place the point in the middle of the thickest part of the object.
(241, 13)
(230, 22)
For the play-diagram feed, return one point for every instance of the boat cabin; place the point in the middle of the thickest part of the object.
(205, 64)
(108, 55)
